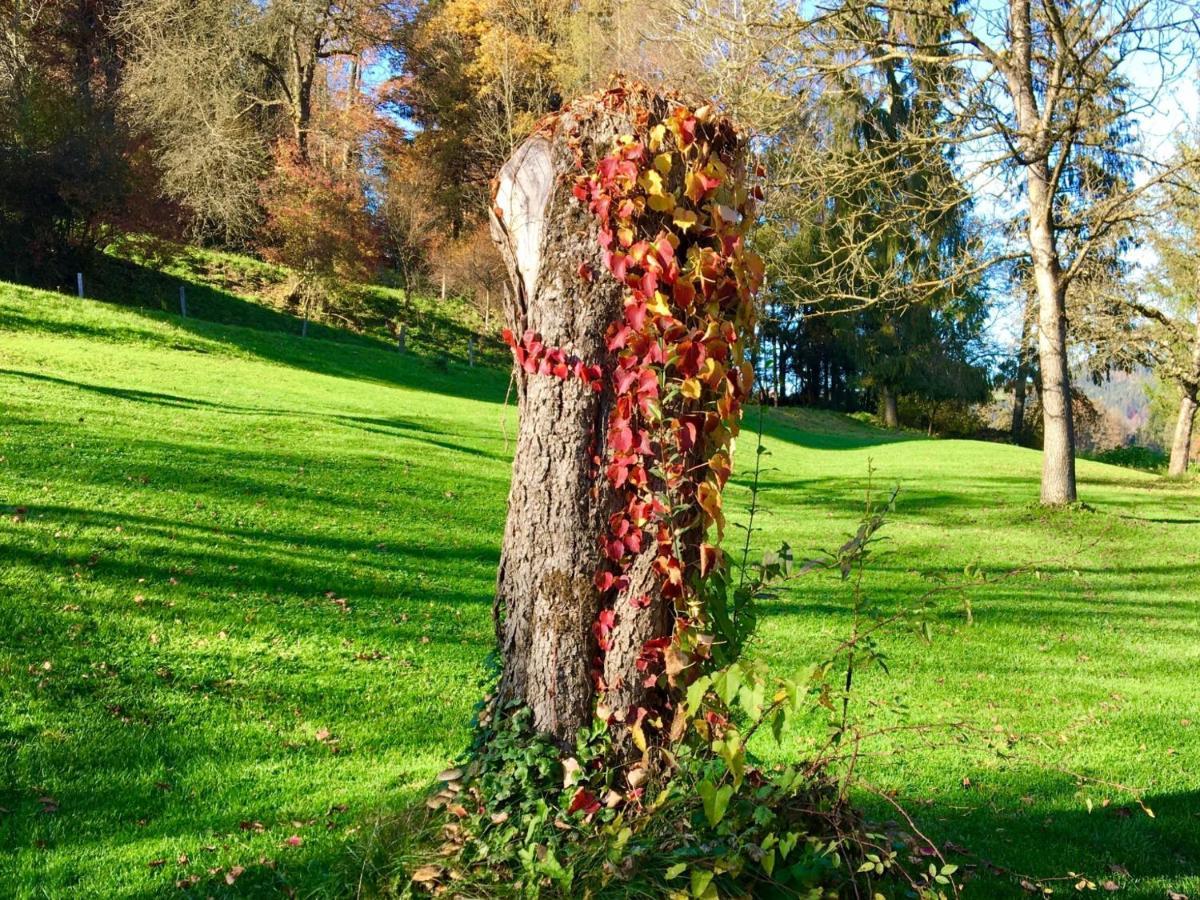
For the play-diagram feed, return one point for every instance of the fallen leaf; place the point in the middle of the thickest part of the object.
(294, 841)
(427, 874)
(233, 874)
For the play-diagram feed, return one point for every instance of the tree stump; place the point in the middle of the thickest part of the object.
(564, 296)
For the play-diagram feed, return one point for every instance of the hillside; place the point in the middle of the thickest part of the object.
(247, 583)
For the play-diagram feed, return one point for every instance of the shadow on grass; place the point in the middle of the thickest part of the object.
(1013, 835)
(820, 429)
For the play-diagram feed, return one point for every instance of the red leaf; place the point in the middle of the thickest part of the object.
(584, 800)
(621, 439)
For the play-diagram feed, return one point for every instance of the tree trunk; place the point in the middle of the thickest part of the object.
(1058, 448)
(1021, 382)
(559, 502)
(1181, 446)
(1058, 454)
(891, 416)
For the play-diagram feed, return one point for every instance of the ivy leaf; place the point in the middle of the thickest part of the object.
(727, 684)
(657, 135)
(715, 799)
(690, 388)
(702, 883)
(683, 219)
(696, 691)
(651, 182)
(639, 737)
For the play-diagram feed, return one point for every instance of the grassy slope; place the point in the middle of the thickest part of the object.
(199, 498)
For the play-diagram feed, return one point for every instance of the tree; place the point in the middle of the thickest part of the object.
(65, 162)
(1049, 84)
(1038, 91)
(217, 82)
(1174, 321)
(472, 267)
(409, 217)
(317, 224)
(476, 75)
(1023, 365)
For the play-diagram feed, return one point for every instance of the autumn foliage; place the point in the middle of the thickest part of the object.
(318, 223)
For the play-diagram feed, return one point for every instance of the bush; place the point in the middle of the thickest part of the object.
(1133, 457)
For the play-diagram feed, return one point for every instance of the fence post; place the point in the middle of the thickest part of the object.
(182, 302)
(79, 284)
(400, 335)
(471, 352)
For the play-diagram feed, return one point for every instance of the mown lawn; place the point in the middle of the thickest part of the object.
(245, 586)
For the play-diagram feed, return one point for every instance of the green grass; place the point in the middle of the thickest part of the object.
(246, 583)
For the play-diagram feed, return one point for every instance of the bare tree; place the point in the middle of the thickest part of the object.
(1040, 96)
(215, 82)
(1170, 334)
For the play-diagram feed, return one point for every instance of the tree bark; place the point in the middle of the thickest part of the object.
(1021, 381)
(1181, 446)
(891, 416)
(1058, 447)
(559, 502)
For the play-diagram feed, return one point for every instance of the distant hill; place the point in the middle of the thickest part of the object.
(1123, 401)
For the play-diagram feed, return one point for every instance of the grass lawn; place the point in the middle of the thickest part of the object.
(245, 587)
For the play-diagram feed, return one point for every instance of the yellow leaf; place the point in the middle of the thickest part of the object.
(684, 219)
(639, 737)
(662, 162)
(709, 498)
(658, 305)
(711, 372)
(651, 182)
(657, 134)
(690, 388)
(662, 203)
